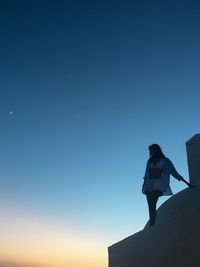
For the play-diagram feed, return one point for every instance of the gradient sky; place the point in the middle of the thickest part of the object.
(85, 88)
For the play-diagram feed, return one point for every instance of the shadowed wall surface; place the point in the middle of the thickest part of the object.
(173, 241)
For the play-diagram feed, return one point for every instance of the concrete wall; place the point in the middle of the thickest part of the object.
(173, 242)
(193, 156)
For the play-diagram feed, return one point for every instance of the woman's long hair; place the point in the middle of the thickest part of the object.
(158, 154)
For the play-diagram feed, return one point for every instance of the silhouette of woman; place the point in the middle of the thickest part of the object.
(157, 179)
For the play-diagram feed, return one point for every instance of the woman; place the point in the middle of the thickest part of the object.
(156, 179)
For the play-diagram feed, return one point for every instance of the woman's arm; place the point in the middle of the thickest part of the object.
(173, 171)
(176, 175)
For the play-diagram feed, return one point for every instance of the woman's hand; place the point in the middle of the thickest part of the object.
(188, 184)
(191, 185)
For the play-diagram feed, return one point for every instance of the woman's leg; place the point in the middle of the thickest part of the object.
(152, 198)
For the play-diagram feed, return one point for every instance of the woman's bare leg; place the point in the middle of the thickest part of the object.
(152, 199)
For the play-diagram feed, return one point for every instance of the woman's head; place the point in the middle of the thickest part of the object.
(156, 151)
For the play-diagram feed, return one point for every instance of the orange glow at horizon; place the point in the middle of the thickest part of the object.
(38, 243)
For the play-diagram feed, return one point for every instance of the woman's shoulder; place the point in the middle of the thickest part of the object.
(167, 160)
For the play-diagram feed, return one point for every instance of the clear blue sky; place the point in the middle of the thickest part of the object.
(91, 84)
